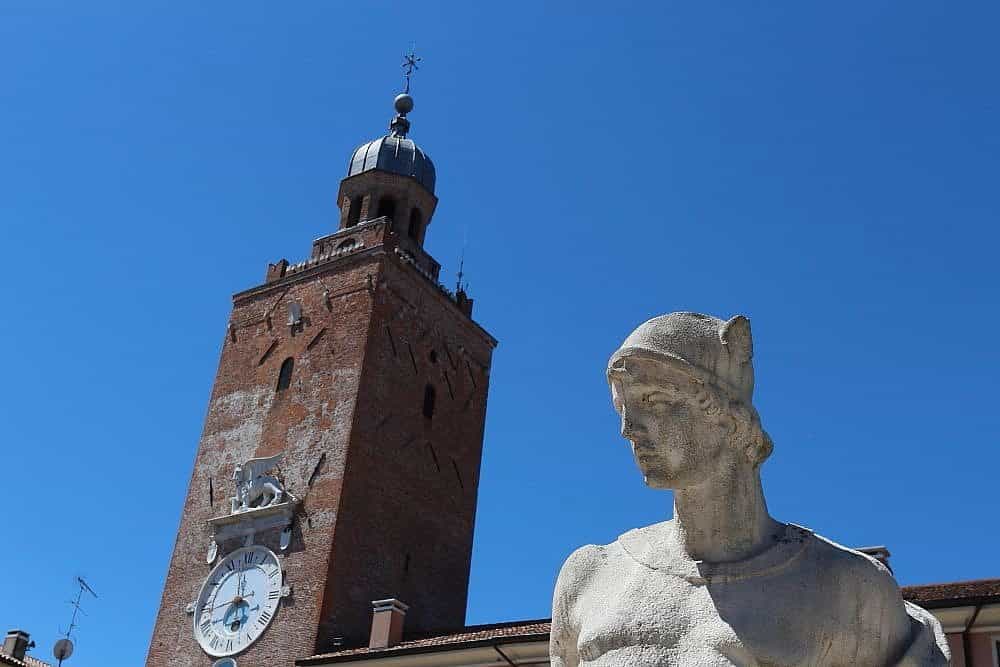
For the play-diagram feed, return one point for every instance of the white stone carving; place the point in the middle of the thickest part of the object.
(261, 503)
(213, 551)
(722, 583)
(254, 488)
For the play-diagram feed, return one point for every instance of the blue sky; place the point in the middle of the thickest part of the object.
(828, 169)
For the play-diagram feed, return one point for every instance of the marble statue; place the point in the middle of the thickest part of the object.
(722, 583)
(254, 488)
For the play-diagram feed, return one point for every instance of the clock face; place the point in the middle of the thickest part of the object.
(237, 601)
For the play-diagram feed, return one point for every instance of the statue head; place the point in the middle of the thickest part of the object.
(682, 384)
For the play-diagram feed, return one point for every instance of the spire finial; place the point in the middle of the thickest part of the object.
(403, 102)
(410, 61)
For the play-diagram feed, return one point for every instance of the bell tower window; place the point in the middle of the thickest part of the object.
(386, 207)
(354, 211)
(416, 221)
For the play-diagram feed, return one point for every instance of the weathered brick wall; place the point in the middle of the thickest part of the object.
(310, 422)
(383, 511)
(411, 483)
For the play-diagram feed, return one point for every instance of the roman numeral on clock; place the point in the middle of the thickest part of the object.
(273, 594)
(264, 617)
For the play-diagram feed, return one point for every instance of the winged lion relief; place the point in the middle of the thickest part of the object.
(255, 487)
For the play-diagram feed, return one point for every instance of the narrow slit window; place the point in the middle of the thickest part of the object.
(285, 374)
(429, 398)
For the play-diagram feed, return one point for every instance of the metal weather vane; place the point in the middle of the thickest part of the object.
(410, 61)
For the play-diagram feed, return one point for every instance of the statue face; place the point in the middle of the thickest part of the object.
(675, 443)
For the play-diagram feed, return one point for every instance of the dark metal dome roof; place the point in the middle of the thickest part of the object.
(395, 154)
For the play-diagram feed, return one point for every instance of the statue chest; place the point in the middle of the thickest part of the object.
(648, 617)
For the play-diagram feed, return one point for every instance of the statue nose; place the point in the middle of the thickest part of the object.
(629, 428)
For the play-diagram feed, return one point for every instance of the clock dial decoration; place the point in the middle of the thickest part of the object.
(237, 601)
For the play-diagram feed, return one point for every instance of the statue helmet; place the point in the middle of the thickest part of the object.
(716, 352)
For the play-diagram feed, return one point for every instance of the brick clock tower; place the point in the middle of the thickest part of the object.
(339, 462)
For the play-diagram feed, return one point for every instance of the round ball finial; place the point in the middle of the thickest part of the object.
(403, 104)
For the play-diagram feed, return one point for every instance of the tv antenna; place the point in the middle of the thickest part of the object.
(459, 287)
(64, 647)
(461, 272)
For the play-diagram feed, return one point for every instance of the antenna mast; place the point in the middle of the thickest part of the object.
(64, 647)
(461, 272)
(461, 262)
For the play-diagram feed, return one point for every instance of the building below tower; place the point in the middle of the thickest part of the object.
(969, 612)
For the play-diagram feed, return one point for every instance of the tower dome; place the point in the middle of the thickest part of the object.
(395, 153)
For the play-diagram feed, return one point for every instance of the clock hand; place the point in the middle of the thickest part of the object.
(233, 601)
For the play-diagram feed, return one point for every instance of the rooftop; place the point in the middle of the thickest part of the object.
(27, 662)
(468, 637)
(935, 596)
(931, 596)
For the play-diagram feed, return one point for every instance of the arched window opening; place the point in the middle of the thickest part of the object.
(416, 220)
(285, 374)
(386, 207)
(354, 212)
(429, 398)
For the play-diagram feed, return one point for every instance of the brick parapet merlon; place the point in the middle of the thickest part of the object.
(366, 240)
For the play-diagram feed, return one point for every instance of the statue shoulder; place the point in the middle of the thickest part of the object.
(604, 564)
(870, 622)
(854, 570)
(588, 568)
(575, 578)
(655, 547)
(581, 565)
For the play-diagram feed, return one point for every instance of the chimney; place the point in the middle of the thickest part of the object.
(879, 553)
(387, 623)
(15, 644)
